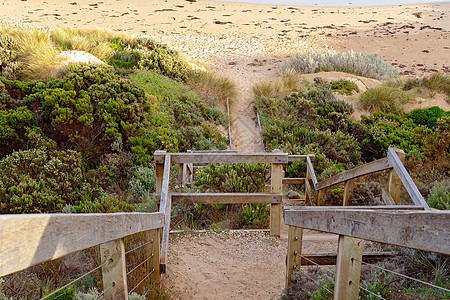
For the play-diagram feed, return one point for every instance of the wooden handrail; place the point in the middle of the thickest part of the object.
(165, 207)
(406, 179)
(311, 172)
(227, 198)
(421, 230)
(27, 240)
(366, 169)
(312, 157)
(207, 158)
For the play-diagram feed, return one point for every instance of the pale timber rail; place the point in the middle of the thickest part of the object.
(28, 240)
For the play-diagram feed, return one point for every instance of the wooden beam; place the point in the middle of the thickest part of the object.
(347, 192)
(421, 230)
(387, 198)
(371, 207)
(152, 250)
(329, 259)
(276, 187)
(308, 192)
(320, 195)
(225, 158)
(213, 151)
(293, 263)
(369, 168)
(165, 206)
(348, 268)
(395, 183)
(26, 240)
(407, 181)
(310, 168)
(293, 180)
(312, 157)
(234, 198)
(114, 274)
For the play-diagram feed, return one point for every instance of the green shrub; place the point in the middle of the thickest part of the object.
(14, 124)
(358, 63)
(384, 99)
(439, 197)
(36, 181)
(427, 116)
(344, 87)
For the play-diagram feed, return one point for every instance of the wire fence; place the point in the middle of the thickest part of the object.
(371, 265)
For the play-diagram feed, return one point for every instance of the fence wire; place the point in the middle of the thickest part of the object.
(77, 279)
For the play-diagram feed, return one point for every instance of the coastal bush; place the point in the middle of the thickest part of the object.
(344, 87)
(358, 63)
(385, 99)
(427, 116)
(36, 181)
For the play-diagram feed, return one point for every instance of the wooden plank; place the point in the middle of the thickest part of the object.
(406, 179)
(152, 250)
(366, 207)
(213, 151)
(225, 158)
(26, 240)
(114, 274)
(166, 208)
(369, 168)
(212, 198)
(180, 176)
(293, 263)
(276, 187)
(293, 180)
(320, 195)
(312, 157)
(310, 168)
(348, 268)
(159, 171)
(185, 175)
(329, 259)
(308, 192)
(347, 192)
(395, 183)
(387, 198)
(421, 230)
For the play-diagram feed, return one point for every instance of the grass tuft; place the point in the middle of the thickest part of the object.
(385, 99)
(213, 89)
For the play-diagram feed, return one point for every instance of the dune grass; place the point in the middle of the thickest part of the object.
(38, 47)
(385, 99)
(212, 88)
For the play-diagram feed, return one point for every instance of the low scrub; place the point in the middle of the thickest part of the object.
(358, 63)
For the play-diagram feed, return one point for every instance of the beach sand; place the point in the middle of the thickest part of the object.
(249, 43)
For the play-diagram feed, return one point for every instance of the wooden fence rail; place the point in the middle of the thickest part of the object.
(396, 225)
(27, 240)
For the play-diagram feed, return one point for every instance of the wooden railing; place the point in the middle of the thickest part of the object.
(27, 240)
(396, 225)
(398, 177)
(412, 226)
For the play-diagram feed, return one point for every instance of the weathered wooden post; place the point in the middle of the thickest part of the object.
(295, 242)
(348, 268)
(115, 272)
(159, 170)
(308, 177)
(152, 250)
(347, 192)
(395, 182)
(276, 187)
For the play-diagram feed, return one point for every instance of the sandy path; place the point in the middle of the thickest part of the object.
(233, 265)
(245, 71)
